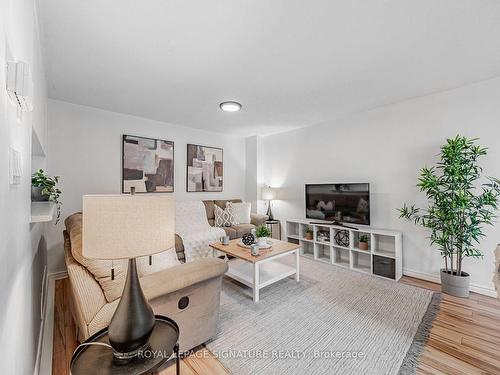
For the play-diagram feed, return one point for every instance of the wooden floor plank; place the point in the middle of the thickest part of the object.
(464, 340)
(434, 361)
(171, 370)
(207, 365)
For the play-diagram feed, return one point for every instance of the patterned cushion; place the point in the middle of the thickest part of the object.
(223, 218)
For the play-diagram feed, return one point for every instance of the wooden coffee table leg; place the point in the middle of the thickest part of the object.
(297, 267)
(256, 282)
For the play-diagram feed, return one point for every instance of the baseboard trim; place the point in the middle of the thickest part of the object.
(43, 302)
(39, 349)
(44, 365)
(490, 292)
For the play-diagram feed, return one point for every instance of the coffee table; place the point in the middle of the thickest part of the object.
(260, 271)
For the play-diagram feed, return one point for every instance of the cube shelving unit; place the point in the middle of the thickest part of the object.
(383, 257)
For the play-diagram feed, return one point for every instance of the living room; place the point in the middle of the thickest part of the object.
(260, 188)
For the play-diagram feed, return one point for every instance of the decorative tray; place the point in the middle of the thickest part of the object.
(268, 246)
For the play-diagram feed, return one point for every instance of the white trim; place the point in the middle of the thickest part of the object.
(45, 346)
(39, 349)
(43, 302)
(434, 278)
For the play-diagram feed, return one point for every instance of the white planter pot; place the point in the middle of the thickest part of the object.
(457, 286)
(262, 241)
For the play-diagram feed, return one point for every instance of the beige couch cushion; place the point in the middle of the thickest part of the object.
(242, 229)
(231, 232)
(210, 209)
(101, 269)
(222, 202)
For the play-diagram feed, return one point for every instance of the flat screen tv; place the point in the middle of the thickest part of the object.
(343, 203)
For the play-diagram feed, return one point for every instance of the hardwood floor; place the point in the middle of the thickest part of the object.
(465, 336)
(464, 340)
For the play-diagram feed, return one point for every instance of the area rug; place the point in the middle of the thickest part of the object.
(334, 321)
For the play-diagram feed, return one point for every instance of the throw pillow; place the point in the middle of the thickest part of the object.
(159, 262)
(241, 212)
(223, 218)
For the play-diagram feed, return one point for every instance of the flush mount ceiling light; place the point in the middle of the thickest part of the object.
(230, 106)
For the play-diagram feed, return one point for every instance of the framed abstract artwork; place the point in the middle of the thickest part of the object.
(147, 165)
(205, 169)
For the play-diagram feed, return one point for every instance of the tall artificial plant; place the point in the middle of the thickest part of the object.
(461, 202)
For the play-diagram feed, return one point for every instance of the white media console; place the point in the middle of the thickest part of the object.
(383, 257)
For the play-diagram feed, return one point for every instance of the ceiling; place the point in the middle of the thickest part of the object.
(291, 63)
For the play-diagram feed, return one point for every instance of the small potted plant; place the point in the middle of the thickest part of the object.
(261, 233)
(44, 188)
(363, 242)
(309, 233)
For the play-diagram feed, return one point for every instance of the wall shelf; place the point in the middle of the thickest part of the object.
(383, 257)
(42, 212)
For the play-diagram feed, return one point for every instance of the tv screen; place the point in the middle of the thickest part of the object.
(345, 203)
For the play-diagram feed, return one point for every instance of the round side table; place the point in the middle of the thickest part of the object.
(275, 228)
(99, 360)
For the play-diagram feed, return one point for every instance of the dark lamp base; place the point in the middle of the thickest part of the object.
(133, 320)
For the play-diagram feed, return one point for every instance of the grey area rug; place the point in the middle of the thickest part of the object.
(334, 321)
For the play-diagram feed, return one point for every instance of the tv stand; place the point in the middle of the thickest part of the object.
(342, 246)
(336, 223)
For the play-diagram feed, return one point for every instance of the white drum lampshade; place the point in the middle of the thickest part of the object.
(127, 226)
(268, 193)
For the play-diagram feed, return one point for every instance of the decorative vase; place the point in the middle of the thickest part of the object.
(37, 196)
(309, 236)
(262, 241)
(363, 246)
(454, 285)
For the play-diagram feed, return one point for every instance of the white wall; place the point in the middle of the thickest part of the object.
(22, 246)
(85, 150)
(387, 147)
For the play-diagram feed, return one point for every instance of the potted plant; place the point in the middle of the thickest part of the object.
(309, 233)
(261, 233)
(363, 242)
(44, 188)
(459, 206)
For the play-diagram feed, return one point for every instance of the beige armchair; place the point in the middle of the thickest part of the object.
(200, 281)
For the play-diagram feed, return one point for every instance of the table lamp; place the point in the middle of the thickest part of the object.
(127, 227)
(268, 193)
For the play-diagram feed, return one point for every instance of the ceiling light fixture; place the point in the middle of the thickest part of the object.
(230, 106)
